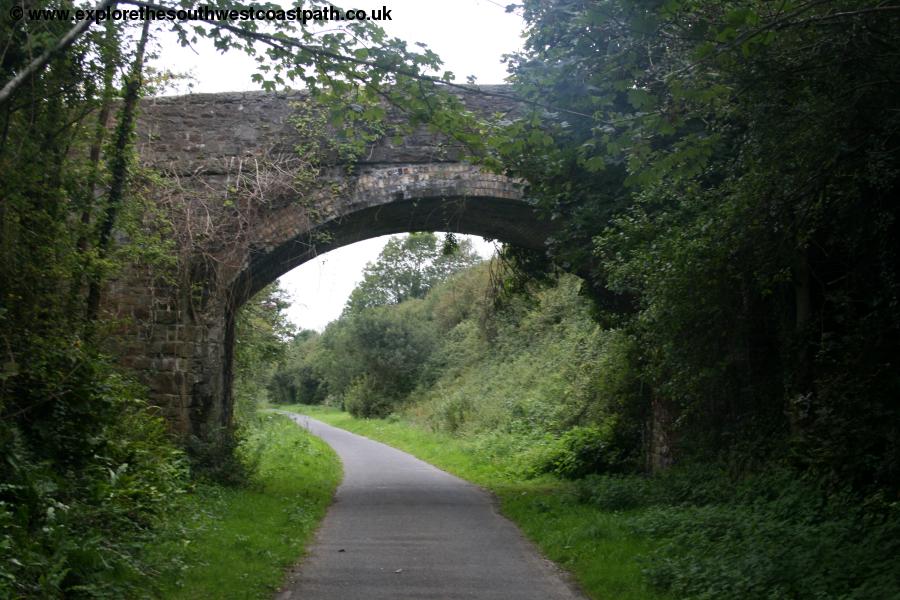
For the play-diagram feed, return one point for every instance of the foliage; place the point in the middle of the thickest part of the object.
(88, 470)
(535, 365)
(362, 399)
(85, 485)
(408, 267)
(695, 485)
(475, 358)
(526, 383)
(383, 351)
(584, 450)
(214, 459)
(261, 340)
(298, 379)
(378, 351)
(772, 534)
(723, 174)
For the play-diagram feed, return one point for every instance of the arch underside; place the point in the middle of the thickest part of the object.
(507, 220)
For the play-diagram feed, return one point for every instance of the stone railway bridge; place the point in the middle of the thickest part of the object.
(227, 182)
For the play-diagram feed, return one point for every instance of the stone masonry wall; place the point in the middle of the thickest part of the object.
(229, 164)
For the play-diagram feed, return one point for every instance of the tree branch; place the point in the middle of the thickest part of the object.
(38, 63)
(280, 42)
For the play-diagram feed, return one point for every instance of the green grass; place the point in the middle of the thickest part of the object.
(600, 550)
(238, 542)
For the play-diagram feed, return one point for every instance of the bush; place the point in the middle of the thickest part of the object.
(215, 458)
(364, 400)
(830, 550)
(76, 510)
(450, 412)
(584, 450)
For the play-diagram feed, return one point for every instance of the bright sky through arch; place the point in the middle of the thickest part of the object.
(470, 36)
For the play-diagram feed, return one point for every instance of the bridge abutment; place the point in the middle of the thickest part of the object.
(179, 353)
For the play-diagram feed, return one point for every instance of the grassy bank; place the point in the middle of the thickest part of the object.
(237, 542)
(599, 548)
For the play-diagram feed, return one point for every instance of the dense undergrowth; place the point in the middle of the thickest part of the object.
(130, 521)
(767, 535)
(86, 477)
(723, 174)
(97, 499)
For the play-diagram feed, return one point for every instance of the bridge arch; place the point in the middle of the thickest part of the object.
(454, 197)
(183, 349)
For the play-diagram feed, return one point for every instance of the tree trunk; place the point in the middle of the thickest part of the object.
(118, 167)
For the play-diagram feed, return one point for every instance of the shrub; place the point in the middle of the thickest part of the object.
(215, 457)
(76, 510)
(583, 450)
(362, 399)
(451, 412)
(756, 552)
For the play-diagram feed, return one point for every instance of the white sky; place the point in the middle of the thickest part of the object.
(471, 36)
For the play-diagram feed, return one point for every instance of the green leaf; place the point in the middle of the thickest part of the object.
(595, 164)
(641, 99)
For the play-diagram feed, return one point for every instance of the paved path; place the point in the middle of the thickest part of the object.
(402, 529)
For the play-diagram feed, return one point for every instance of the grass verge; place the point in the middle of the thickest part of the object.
(237, 542)
(597, 547)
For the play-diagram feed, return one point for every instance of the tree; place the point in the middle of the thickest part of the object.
(723, 173)
(298, 377)
(408, 267)
(262, 338)
(373, 356)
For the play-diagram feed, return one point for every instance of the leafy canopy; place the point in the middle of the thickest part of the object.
(408, 267)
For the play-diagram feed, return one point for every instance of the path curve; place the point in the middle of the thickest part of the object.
(401, 529)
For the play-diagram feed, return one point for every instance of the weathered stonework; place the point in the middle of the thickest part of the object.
(230, 166)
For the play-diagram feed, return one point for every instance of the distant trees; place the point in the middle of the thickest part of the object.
(374, 355)
(408, 267)
(297, 380)
(262, 337)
